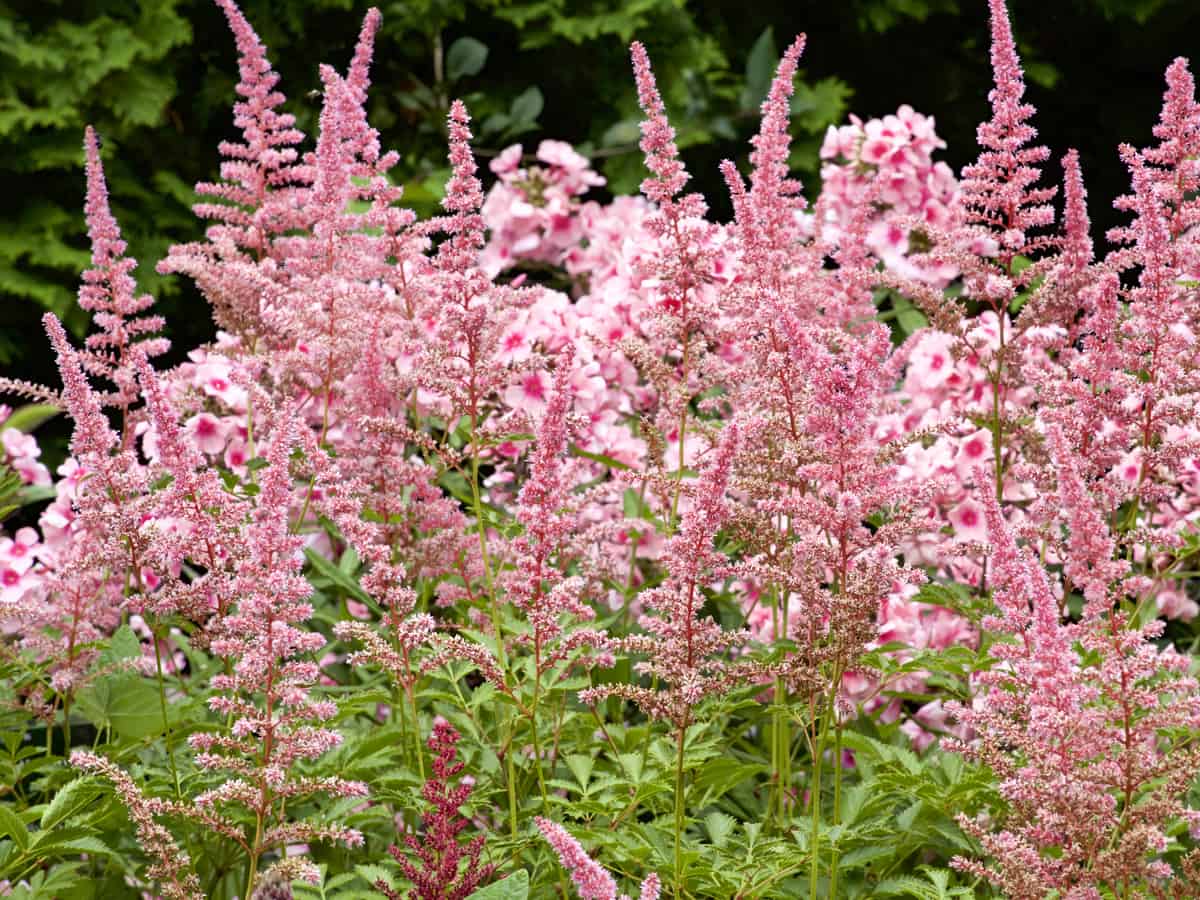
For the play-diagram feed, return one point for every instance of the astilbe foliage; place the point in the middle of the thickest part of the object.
(440, 866)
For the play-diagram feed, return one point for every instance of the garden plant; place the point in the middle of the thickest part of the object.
(555, 546)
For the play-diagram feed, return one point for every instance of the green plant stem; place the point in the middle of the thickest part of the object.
(162, 703)
(537, 744)
(679, 811)
(416, 730)
(835, 853)
(815, 801)
(511, 770)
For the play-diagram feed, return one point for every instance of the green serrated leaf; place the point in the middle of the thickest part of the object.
(514, 887)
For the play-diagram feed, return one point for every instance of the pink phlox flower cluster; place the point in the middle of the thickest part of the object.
(886, 165)
(21, 452)
(532, 212)
(592, 881)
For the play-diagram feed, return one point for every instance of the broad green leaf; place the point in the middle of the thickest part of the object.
(69, 800)
(514, 887)
(27, 418)
(527, 107)
(465, 57)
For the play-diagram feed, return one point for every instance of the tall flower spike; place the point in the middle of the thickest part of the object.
(1090, 549)
(658, 137)
(93, 439)
(774, 196)
(265, 159)
(439, 867)
(1178, 152)
(1077, 250)
(998, 189)
(592, 882)
(464, 198)
(109, 291)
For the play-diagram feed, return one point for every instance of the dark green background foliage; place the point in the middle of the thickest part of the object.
(156, 78)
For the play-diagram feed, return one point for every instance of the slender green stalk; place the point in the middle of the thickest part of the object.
(815, 801)
(679, 812)
(835, 853)
(162, 702)
(416, 731)
(537, 752)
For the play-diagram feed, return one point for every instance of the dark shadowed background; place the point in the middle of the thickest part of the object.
(156, 77)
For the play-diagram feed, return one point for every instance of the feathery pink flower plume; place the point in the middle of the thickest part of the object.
(685, 651)
(999, 190)
(592, 881)
(264, 161)
(109, 292)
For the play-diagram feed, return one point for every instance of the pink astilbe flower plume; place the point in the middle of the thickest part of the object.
(592, 881)
(1081, 726)
(264, 163)
(687, 652)
(536, 585)
(171, 868)
(1090, 547)
(275, 722)
(109, 293)
(999, 189)
(259, 199)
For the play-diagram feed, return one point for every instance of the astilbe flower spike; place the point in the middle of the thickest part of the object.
(171, 868)
(276, 723)
(109, 293)
(592, 881)
(1080, 724)
(686, 651)
(999, 189)
(264, 163)
(443, 868)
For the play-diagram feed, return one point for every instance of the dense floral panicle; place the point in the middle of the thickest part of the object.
(1174, 164)
(685, 650)
(1090, 547)
(358, 76)
(437, 864)
(1077, 251)
(109, 292)
(171, 868)
(1077, 722)
(999, 189)
(275, 722)
(93, 439)
(537, 583)
(592, 881)
(463, 200)
(258, 200)
(658, 137)
(265, 160)
(774, 197)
